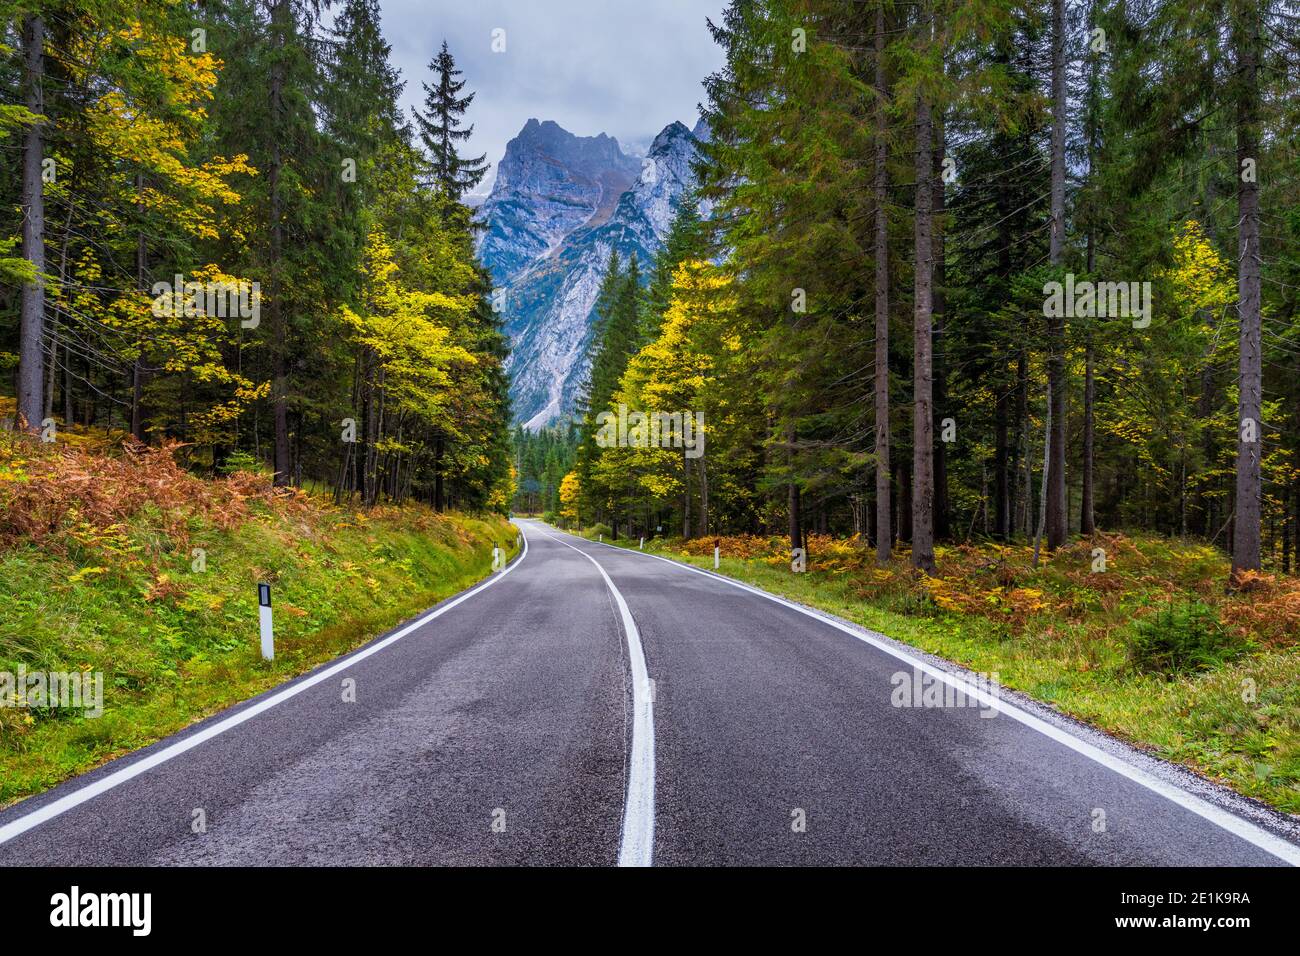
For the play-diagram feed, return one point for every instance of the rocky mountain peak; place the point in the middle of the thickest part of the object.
(560, 205)
(549, 183)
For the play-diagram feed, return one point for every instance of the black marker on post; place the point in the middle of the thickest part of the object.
(264, 614)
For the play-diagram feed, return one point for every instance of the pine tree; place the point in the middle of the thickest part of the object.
(440, 130)
(687, 240)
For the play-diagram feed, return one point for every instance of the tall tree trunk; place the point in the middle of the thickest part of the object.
(1087, 518)
(1047, 473)
(1246, 527)
(792, 494)
(369, 468)
(1286, 531)
(31, 356)
(1087, 524)
(922, 368)
(50, 369)
(55, 336)
(1004, 458)
(905, 499)
(1002, 515)
(884, 531)
(281, 14)
(1295, 522)
(1056, 509)
(686, 496)
(940, 307)
(439, 449)
(69, 405)
(141, 276)
(1024, 476)
(704, 496)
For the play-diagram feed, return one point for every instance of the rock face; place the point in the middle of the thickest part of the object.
(549, 183)
(550, 225)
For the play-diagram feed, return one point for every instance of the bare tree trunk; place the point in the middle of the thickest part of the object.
(1246, 527)
(31, 356)
(922, 381)
(1056, 508)
(884, 532)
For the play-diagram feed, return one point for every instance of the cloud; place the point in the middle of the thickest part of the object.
(594, 66)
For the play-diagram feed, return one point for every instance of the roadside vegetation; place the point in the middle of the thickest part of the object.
(122, 562)
(1154, 649)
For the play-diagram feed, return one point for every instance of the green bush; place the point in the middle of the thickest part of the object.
(550, 517)
(239, 460)
(598, 529)
(1180, 638)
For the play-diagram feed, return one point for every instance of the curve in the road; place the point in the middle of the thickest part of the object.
(62, 805)
(1243, 829)
(637, 846)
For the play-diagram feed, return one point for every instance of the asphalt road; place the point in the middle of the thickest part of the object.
(591, 706)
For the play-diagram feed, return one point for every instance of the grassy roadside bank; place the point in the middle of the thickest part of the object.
(129, 566)
(1152, 650)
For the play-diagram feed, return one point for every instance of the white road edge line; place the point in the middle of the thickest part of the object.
(1245, 830)
(62, 805)
(637, 845)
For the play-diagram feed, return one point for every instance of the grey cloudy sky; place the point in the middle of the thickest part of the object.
(594, 66)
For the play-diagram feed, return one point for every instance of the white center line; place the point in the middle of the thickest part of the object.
(637, 845)
(1243, 829)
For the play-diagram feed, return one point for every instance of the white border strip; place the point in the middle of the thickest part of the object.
(1252, 834)
(637, 846)
(62, 805)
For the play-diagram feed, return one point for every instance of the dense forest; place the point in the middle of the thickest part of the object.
(992, 269)
(225, 236)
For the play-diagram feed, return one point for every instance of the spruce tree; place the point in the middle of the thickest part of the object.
(440, 130)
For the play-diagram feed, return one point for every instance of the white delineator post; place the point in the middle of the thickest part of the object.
(264, 618)
(715, 557)
(641, 546)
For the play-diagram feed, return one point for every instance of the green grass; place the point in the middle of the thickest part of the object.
(1236, 721)
(176, 645)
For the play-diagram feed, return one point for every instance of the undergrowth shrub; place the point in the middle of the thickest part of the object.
(1180, 638)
